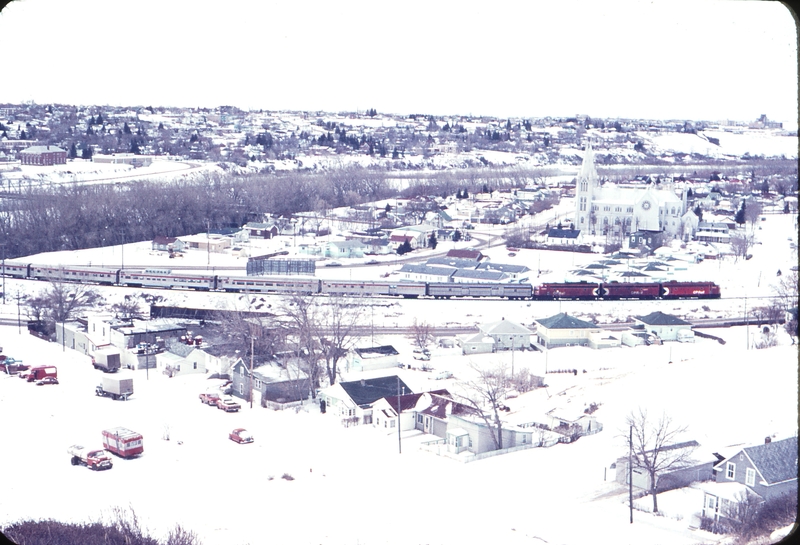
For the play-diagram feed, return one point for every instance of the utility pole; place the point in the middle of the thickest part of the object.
(746, 323)
(146, 354)
(630, 471)
(252, 339)
(399, 441)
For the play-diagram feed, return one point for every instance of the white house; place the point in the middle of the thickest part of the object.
(664, 326)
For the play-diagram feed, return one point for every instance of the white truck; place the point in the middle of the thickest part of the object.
(94, 459)
(115, 387)
(106, 360)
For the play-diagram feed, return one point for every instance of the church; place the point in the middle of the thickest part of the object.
(619, 211)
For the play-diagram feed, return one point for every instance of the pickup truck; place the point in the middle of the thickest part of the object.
(209, 398)
(228, 405)
(94, 459)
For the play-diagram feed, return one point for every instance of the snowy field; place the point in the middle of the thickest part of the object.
(350, 485)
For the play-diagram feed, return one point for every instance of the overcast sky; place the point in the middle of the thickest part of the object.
(660, 59)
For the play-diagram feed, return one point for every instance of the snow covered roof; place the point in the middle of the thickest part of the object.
(504, 326)
(564, 321)
(660, 318)
(776, 461)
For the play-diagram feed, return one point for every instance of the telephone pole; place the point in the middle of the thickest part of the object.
(252, 339)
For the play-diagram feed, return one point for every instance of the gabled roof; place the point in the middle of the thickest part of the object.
(375, 351)
(347, 243)
(164, 240)
(455, 262)
(425, 269)
(409, 401)
(474, 255)
(659, 318)
(565, 321)
(504, 267)
(776, 461)
(257, 225)
(42, 149)
(504, 327)
(563, 233)
(479, 275)
(367, 391)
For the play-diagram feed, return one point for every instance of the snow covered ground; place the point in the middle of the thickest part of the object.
(350, 484)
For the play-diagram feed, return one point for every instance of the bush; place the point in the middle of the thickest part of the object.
(122, 529)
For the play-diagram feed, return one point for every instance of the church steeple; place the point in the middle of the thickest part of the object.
(584, 186)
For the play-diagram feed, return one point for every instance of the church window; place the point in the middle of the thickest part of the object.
(581, 219)
(673, 210)
(616, 221)
(629, 209)
(606, 208)
(618, 209)
(605, 221)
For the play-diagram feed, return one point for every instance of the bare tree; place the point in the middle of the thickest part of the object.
(421, 334)
(752, 213)
(301, 319)
(341, 319)
(128, 309)
(485, 395)
(741, 244)
(653, 447)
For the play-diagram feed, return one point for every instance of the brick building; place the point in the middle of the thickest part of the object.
(43, 155)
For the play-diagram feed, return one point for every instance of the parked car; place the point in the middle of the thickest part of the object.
(47, 380)
(240, 435)
(333, 264)
(209, 398)
(228, 405)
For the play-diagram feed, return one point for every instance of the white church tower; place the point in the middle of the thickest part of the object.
(584, 190)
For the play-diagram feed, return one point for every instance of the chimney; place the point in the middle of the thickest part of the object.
(767, 440)
(363, 383)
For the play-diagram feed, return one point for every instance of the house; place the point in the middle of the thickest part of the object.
(475, 343)
(167, 244)
(370, 359)
(43, 156)
(280, 386)
(261, 230)
(385, 409)
(469, 432)
(642, 238)
(698, 467)
(664, 326)
(507, 334)
(572, 419)
(564, 237)
(425, 273)
(712, 232)
(418, 234)
(433, 412)
(564, 330)
(353, 400)
(769, 470)
(207, 243)
(604, 339)
(345, 248)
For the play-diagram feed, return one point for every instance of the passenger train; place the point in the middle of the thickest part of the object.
(168, 279)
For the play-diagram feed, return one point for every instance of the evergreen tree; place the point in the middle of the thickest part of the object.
(86, 153)
(698, 212)
(22, 135)
(404, 248)
(4, 135)
(100, 120)
(465, 195)
(126, 129)
(432, 242)
(89, 131)
(388, 208)
(395, 154)
(135, 147)
(92, 121)
(73, 151)
(161, 126)
(740, 219)
(456, 235)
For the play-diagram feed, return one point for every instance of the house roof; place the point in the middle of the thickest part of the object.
(564, 321)
(386, 350)
(474, 255)
(503, 326)
(504, 267)
(347, 243)
(455, 262)
(563, 233)
(425, 269)
(367, 391)
(776, 461)
(479, 275)
(659, 318)
(257, 225)
(42, 149)
(164, 240)
(409, 401)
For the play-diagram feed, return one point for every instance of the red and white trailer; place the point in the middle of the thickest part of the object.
(123, 442)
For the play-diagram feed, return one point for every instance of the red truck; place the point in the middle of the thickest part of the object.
(92, 458)
(123, 442)
(40, 372)
(209, 398)
(11, 366)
